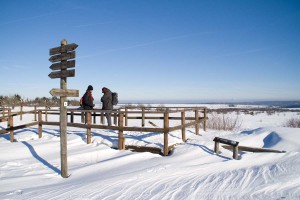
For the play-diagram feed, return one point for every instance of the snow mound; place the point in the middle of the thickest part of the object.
(279, 138)
(271, 140)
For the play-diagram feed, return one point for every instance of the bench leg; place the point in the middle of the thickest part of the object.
(235, 152)
(216, 147)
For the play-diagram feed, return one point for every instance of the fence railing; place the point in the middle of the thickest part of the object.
(187, 116)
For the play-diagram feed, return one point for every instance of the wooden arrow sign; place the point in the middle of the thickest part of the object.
(63, 56)
(63, 49)
(62, 74)
(64, 93)
(63, 65)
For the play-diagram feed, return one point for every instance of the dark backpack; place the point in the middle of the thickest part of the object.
(81, 102)
(115, 99)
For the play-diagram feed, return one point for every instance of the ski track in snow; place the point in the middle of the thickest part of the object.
(258, 180)
(163, 182)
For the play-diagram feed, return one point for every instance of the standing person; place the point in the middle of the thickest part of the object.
(106, 100)
(88, 100)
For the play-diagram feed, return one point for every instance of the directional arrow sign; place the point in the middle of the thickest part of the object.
(62, 49)
(62, 74)
(64, 93)
(63, 56)
(63, 65)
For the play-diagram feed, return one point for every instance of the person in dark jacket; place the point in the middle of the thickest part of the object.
(88, 100)
(106, 100)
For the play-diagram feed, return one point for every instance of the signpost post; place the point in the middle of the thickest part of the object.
(59, 56)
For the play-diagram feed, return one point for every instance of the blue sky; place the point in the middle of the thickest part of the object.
(155, 49)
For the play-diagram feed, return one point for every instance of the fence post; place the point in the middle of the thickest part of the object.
(40, 123)
(126, 116)
(10, 125)
(72, 117)
(35, 113)
(196, 121)
(46, 115)
(183, 126)
(121, 143)
(204, 121)
(143, 116)
(166, 132)
(82, 117)
(94, 118)
(88, 129)
(8, 121)
(21, 112)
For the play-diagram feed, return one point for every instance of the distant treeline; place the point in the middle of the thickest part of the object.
(252, 110)
(16, 100)
(280, 104)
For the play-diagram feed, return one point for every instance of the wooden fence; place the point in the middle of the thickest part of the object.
(121, 118)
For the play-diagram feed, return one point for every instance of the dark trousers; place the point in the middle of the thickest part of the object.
(108, 118)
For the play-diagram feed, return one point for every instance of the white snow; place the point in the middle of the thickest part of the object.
(30, 167)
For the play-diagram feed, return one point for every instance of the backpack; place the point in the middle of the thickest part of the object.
(115, 99)
(81, 102)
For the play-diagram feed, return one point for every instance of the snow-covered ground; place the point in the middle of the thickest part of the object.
(30, 167)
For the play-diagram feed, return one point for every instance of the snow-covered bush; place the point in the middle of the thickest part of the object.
(293, 123)
(223, 122)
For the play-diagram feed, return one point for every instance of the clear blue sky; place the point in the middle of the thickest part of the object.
(155, 49)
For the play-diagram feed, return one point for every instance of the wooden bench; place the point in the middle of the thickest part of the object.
(232, 143)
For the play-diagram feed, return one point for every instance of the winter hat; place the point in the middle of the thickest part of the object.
(104, 89)
(90, 87)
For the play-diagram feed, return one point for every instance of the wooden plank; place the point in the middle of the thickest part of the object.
(63, 123)
(143, 129)
(64, 56)
(174, 128)
(3, 131)
(139, 129)
(65, 93)
(18, 127)
(63, 65)
(170, 118)
(183, 136)
(40, 124)
(226, 141)
(52, 123)
(62, 49)
(197, 122)
(144, 149)
(121, 138)
(254, 149)
(10, 125)
(62, 74)
(166, 133)
(88, 130)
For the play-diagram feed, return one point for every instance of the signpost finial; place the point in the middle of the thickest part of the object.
(63, 42)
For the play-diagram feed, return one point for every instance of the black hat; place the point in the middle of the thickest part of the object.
(90, 87)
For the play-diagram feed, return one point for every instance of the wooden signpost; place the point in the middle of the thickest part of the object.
(60, 92)
(61, 65)
(62, 74)
(60, 56)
